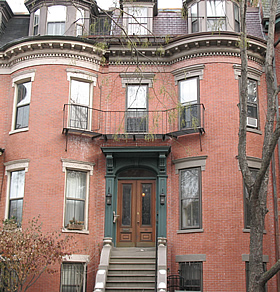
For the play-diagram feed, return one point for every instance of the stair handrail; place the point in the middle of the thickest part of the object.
(101, 275)
(161, 265)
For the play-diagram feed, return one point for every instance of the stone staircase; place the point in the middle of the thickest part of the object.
(131, 270)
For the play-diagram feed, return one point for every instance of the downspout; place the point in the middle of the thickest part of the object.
(275, 198)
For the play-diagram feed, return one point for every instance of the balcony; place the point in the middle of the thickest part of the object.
(132, 124)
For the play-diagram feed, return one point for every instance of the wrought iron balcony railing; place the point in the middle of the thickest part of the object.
(182, 120)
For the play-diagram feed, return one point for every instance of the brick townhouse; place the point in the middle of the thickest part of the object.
(120, 128)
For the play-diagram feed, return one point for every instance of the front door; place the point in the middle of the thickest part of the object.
(136, 210)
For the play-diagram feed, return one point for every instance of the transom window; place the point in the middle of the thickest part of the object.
(56, 20)
(136, 120)
(216, 20)
(190, 186)
(22, 104)
(137, 20)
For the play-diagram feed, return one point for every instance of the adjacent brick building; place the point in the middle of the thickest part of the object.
(121, 129)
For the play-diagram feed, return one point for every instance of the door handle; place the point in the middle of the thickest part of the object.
(115, 217)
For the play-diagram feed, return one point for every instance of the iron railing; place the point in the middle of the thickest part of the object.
(182, 120)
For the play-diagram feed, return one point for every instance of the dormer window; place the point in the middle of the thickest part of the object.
(194, 19)
(213, 15)
(216, 15)
(56, 20)
(36, 22)
(137, 20)
(80, 15)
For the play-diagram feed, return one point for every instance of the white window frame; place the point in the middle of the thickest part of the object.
(68, 164)
(22, 77)
(77, 259)
(127, 12)
(36, 22)
(12, 166)
(222, 26)
(83, 76)
(80, 20)
(61, 18)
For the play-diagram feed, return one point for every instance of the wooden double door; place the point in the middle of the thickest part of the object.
(136, 210)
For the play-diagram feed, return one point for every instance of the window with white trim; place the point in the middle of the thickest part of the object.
(22, 104)
(136, 120)
(137, 20)
(15, 171)
(77, 175)
(74, 273)
(252, 104)
(216, 15)
(189, 100)
(80, 98)
(80, 16)
(22, 83)
(79, 104)
(56, 20)
(36, 22)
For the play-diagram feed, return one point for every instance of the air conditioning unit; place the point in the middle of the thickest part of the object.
(252, 122)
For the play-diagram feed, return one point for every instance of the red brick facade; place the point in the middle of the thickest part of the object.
(221, 238)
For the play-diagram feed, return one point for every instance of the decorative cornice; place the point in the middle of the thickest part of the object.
(186, 47)
(48, 49)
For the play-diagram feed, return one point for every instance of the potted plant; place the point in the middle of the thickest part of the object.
(75, 224)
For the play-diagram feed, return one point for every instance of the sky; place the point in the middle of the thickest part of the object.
(18, 5)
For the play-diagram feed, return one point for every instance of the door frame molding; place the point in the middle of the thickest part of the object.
(121, 158)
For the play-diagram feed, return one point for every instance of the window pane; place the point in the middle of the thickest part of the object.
(78, 116)
(189, 183)
(190, 198)
(188, 90)
(138, 24)
(56, 28)
(252, 91)
(17, 184)
(57, 13)
(22, 117)
(76, 184)
(72, 277)
(126, 205)
(74, 209)
(190, 213)
(23, 93)
(15, 210)
(215, 8)
(216, 24)
(146, 204)
(80, 92)
(136, 96)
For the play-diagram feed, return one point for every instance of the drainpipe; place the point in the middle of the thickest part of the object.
(275, 198)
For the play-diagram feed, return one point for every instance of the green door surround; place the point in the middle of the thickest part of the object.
(121, 158)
